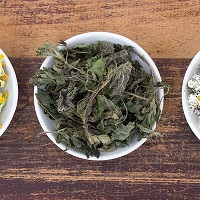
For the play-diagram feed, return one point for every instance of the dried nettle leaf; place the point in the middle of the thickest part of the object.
(97, 96)
(120, 79)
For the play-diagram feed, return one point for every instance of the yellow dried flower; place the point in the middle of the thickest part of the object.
(4, 77)
(3, 64)
(1, 56)
(2, 100)
(5, 94)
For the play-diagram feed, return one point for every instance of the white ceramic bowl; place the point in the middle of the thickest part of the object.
(11, 86)
(191, 118)
(92, 37)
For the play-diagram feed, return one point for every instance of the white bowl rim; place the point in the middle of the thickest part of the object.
(13, 106)
(106, 155)
(185, 105)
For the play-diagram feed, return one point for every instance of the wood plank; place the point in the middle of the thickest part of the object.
(165, 29)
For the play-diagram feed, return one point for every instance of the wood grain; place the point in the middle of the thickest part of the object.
(32, 167)
(165, 29)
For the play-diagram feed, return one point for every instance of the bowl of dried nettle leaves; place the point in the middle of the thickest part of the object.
(97, 95)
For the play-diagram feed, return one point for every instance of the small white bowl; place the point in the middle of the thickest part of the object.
(11, 86)
(192, 119)
(89, 38)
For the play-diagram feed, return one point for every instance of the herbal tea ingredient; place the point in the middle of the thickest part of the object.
(194, 94)
(3, 79)
(3, 75)
(99, 88)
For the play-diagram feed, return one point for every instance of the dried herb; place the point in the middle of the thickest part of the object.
(100, 88)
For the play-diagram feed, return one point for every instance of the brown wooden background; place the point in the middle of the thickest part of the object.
(32, 167)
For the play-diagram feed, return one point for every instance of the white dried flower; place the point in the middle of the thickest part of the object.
(191, 83)
(197, 88)
(196, 77)
(192, 100)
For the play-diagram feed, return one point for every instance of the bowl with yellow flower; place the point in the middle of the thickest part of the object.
(8, 92)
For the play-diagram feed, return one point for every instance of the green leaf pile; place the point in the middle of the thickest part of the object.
(97, 96)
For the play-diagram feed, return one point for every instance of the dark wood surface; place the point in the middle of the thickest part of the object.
(32, 167)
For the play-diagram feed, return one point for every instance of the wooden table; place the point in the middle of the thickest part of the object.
(32, 167)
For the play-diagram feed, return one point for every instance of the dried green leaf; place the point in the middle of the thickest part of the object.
(65, 104)
(119, 58)
(101, 139)
(122, 132)
(144, 129)
(81, 105)
(48, 49)
(120, 79)
(98, 67)
(47, 104)
(134, 107)
(104, 48)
